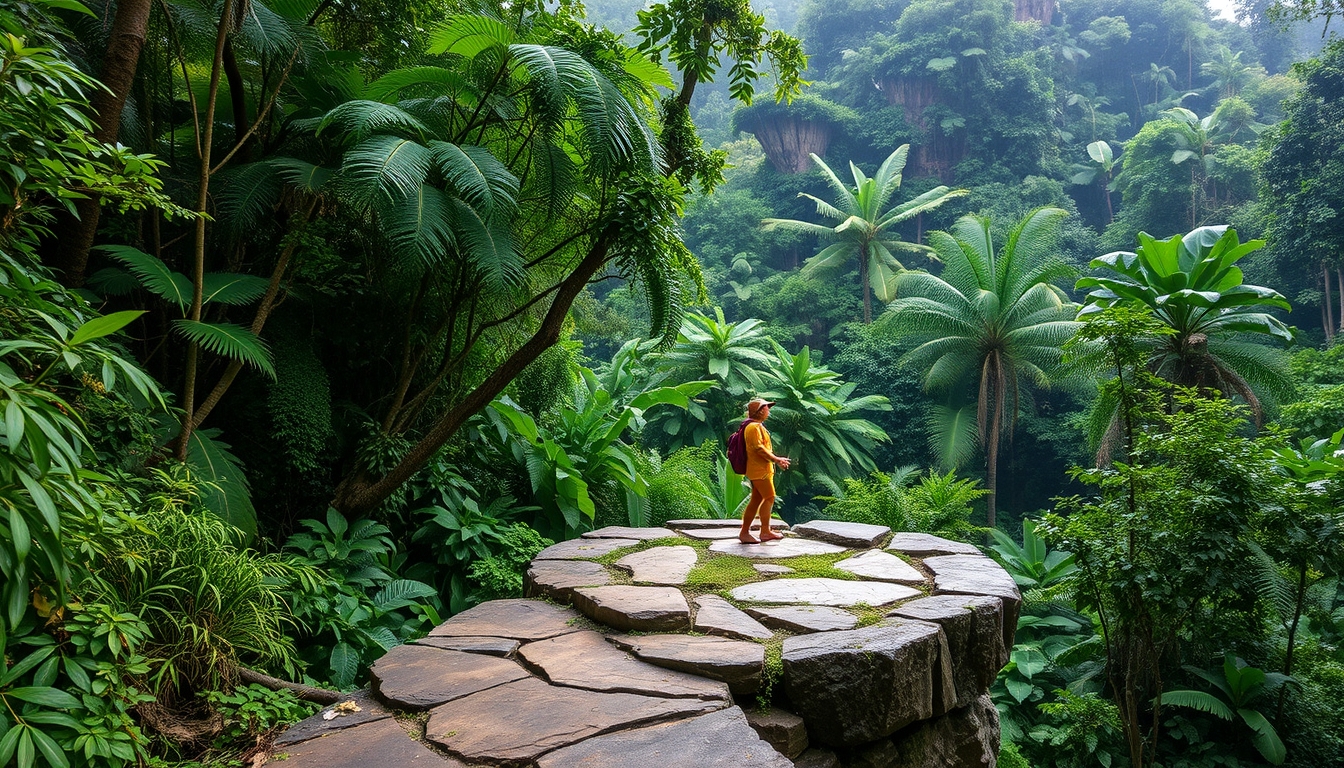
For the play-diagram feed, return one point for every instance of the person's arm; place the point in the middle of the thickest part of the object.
(756, 445)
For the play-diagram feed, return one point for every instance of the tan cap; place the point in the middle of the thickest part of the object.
(756, 404)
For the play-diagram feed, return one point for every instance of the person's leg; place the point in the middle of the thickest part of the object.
(767, 490)
(749, 514)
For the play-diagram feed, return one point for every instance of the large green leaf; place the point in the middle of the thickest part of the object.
(469, 36)
(153, 274)
(1266, 739)
(106, 325)
(232, 289)
(1204, 702)
(225, 491)
(229, 340)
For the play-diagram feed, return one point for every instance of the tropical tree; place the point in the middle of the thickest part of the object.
(1192, 287)
(1102, 169)
(865, 229)
(819, 423)
(992, 321)
(1230, 75)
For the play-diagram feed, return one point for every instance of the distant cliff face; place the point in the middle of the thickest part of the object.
(790, 141)
(940, 152)
(1034, 10)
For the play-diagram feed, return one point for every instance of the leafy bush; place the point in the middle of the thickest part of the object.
(251, 711)
(500, 575)
(938, 504)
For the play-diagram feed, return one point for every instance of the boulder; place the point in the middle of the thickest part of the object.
(738, 663)
(513, 619)
(718, 740)
(556, 579)
(974, 628)
(833, 592)
(623, 532)
(857, 535)
(879, 754)
(644, 609)
(862, 685)
(379, 743)
(420, 676)
(817, 757)
(660, 565)
(805, 618)
(587, 660)
(716, 616)
(927, 545)
(964, 738)
(784, 731)
(978, 575)
(583, 549)
(490, 646)
(780, 548)
(881, 566)
(369, 709)
(515, 724)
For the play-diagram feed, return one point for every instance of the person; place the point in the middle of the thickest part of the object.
(761, 462)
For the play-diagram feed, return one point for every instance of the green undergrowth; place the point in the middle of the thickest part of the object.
(772, 673)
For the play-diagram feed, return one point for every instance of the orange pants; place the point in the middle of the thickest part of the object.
(762, 499)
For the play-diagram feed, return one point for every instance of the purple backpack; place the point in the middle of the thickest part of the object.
(737, 449)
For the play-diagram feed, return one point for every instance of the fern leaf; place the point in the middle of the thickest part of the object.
(438, 79)
(469, 36)
(232, 289)
(361, 118)
(477, 176)
(228, 340)
(386, 169)
(153, 274)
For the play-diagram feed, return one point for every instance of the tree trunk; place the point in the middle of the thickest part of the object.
(359, 493)
(71, 250)
(1339, 276)
(237, 94)
(1327, 305)
(992, 460)
(867, 289)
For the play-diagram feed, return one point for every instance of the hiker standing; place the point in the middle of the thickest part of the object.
(761, 463)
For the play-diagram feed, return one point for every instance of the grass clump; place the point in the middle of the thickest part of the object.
(722, 572)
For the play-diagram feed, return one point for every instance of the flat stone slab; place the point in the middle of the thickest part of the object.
(370, 709)
(513, 619)
(421, 676)
(660, 565)
(865, 684)
(716, 616)
(644, 609)
(844, 534)
(623, 532)
(781, 548)
(730, 524)
(557, 579)
(973, 625)
(926, 545)
(718, 534)
(583, 549)
(490, 646)
(370, 744)
(718, 740)
(517, 723)
(833, 592)
(586, 660)
(812, 618)
(881, 566)
(739, 663)
(770, 569)
(784, 731)
(978, 575)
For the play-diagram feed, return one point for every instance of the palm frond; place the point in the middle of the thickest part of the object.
(426, 78)
(232, 289)
(228, 340)
(953, 434)
(386, 168)
(478, 177)
(244, 195)
(469, 36)
(153, 274)
(489, 245)
(360, 118)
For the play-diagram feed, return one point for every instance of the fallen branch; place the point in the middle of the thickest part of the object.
(305, 692)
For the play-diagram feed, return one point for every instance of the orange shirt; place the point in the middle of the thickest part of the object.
(759, 465)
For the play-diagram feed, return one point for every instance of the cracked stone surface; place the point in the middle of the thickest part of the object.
(703, 523)
(881, 566)
(526, 683)
(660, 565)
(833, 592)
(587, 660)
(856, 535)
(786, 547)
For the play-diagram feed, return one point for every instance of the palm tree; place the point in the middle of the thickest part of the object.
(1229, 73)
(865, 223)
(990, 322)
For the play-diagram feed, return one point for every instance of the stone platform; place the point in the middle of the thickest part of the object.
(658, 646)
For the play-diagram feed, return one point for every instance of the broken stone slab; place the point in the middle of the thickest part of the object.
(515, 724)
(644, 609)
(587, 660)
(490, 646)
(881, 566)
(817, 591)
(965, 738)
(862, 685)
(557, 579)
(710, 523)
(720, 739)
(625, 532)
(739, 663)
(321, 724)
(928, 545)
(516, 619)
(859, 535)
(780, 548)
(974, 628)
(716, 616)
(660, 565)
(378, 743)
(978, 575)
(420, 676)
(583, 549)
(817, 757)
(800, 618)
(771, 569)
(783, 730)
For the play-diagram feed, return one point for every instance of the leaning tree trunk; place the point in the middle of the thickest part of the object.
(71, 255)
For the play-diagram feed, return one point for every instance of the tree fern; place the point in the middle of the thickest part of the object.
(386, 169)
